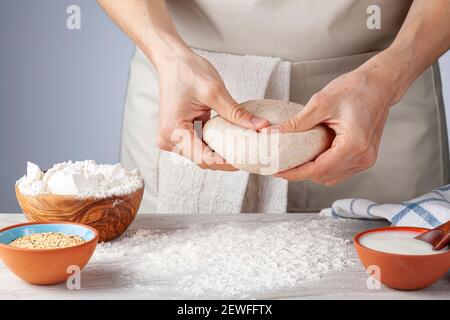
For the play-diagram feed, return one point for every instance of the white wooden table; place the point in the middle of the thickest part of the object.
(98, 280)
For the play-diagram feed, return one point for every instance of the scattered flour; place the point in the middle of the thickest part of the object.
(85, 179)
(228, 260)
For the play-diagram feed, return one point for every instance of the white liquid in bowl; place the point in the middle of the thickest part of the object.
(399, 242)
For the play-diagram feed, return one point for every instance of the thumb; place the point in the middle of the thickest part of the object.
(309, 117)
(231, 111)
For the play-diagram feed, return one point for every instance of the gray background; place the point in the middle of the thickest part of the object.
(62, 91)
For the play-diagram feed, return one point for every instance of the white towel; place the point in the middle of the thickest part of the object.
(185, 188)
(428, 211)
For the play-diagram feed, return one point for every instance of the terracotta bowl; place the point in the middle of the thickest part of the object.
(46, 266)
(110, 216)
(403, 272)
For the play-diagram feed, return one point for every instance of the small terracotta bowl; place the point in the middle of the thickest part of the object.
(46, 266)
(401, 271)
(110, 216)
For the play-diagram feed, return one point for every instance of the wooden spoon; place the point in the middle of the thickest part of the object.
(438, 237)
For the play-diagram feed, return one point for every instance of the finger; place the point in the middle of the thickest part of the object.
(311, 115)
(302, 172)
(164, 144)
(341, 176)
(199, 123)
(346, 175)
(335, 181)
(190, 146)
(326, 166)
(231, 111)
(204, 117)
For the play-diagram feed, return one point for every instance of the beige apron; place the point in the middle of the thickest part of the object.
(323, 39)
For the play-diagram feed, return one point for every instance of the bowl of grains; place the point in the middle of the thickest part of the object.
(103, 196)
(47, 253)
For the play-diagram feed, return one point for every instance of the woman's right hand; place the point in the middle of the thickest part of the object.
(190, 87)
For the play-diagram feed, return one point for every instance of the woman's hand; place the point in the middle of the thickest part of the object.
(354, 105)
(189, 85)
(190, 88)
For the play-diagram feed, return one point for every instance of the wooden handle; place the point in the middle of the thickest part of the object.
(445, 228)
(445, 240)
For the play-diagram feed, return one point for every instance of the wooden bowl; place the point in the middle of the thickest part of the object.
(109, 216)
(47, 266)
(401, 271)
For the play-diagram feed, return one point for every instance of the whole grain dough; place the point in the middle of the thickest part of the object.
(266, 153)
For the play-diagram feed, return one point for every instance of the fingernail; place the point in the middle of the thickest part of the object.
(267, 130)
(274, 129)
(258, 122)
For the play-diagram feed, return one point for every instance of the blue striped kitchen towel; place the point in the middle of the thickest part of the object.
(427, 211)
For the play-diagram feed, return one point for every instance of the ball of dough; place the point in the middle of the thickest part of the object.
(266, 153)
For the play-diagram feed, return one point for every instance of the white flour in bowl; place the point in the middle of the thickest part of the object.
(84, 179)
(228, 260)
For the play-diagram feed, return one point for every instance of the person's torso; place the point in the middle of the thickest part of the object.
(295, 30)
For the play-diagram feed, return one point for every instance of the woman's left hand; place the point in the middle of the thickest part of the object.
(354, 105)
